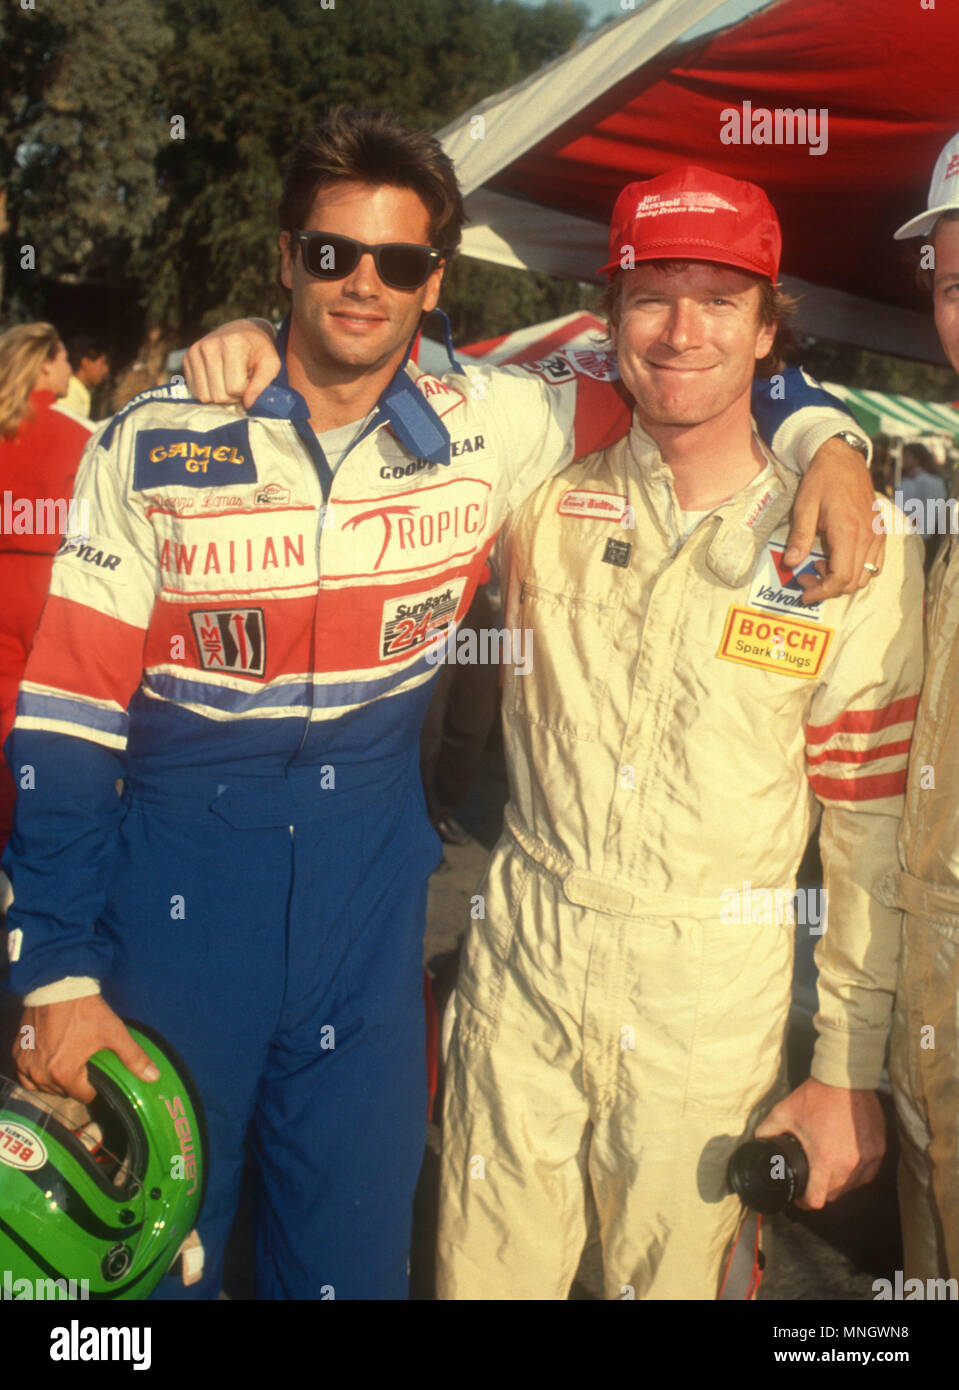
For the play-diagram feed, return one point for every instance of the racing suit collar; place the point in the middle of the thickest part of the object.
(746, 520)
(410, 416)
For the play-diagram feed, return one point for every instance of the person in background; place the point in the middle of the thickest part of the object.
(883, 465)
(922, 482)
(924, 1053)
(90, 365)
(39, 454)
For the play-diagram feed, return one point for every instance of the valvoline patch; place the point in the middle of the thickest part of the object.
(194, 458)
(776, 587)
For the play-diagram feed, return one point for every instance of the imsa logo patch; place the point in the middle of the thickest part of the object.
(231, 639)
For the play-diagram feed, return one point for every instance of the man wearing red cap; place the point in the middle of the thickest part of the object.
(621, 1006)
(924, 1064)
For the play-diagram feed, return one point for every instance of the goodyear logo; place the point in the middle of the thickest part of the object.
(193, 459)
(787, 646)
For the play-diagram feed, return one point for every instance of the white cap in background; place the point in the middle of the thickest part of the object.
(943, 193)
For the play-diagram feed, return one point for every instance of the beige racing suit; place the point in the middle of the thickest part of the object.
(925, 1037)
(622, 1003)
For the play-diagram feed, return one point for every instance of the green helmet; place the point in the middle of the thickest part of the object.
(108, 1200)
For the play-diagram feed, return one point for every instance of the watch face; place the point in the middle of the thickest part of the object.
(854, 441)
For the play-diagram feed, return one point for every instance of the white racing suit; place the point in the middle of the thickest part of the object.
(621, 1006)
(925, 1038)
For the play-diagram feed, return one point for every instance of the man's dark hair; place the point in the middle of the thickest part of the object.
(922, 457)
(84, 345)
(373, 147)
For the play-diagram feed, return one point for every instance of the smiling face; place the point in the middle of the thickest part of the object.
(945, 288)
(343, 329)
(688, 339)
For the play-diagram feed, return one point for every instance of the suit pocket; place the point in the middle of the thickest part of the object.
(570, 641)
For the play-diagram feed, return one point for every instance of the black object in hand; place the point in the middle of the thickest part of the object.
(768, 1174)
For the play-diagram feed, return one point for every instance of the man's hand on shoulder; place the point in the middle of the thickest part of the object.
(233, 363)
(836, 499)
(843, 1133)
(65, 1036)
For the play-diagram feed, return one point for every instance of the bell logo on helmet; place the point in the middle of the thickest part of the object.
(185, 1136)
(20, 1147)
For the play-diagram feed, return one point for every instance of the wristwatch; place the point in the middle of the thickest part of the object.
(855, 441)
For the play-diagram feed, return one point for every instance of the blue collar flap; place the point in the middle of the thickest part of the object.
(279, 399)
(414, 421)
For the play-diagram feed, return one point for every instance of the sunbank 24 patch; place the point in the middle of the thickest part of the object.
(410, 622)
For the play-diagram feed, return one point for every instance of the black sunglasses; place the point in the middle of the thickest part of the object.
(403, 265)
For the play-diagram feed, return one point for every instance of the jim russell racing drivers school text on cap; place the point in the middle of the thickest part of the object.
(693, 214)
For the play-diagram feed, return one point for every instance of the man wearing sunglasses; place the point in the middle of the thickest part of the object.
(243, 639)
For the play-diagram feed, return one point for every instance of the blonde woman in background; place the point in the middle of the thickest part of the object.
(40, 451)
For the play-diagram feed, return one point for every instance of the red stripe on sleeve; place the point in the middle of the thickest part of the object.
(603, 414)
(859, 788)
(866, 755)
(83, 652)
(864, 721)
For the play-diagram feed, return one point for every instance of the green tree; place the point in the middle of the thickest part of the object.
(874, 371)
(141, 142)
(248, 82)
(484, 300)
(80, 126)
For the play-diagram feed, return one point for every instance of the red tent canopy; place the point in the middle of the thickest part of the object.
(884, 72)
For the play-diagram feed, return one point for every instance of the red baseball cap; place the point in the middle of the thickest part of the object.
(692, 214)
